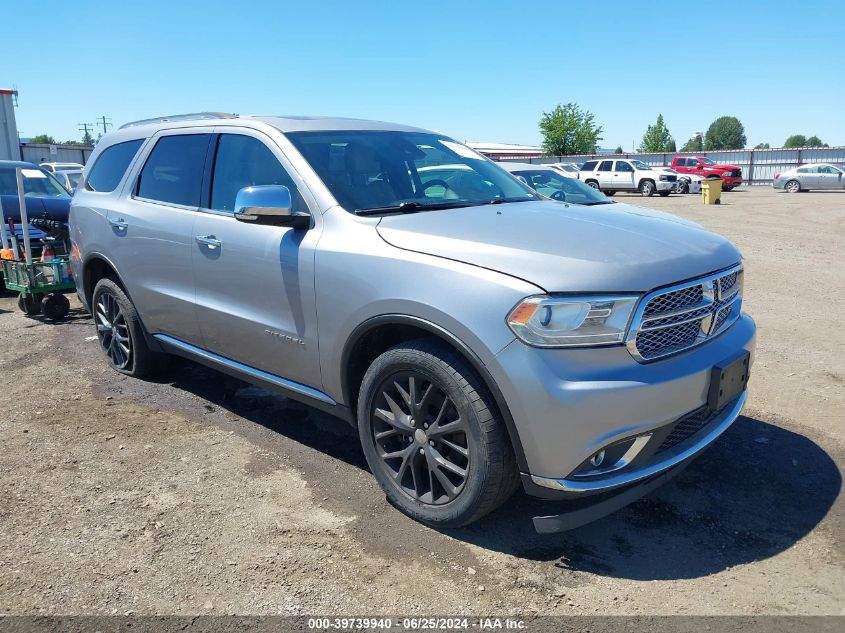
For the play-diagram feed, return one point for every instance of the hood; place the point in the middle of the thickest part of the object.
(566, 248)
(46, 208)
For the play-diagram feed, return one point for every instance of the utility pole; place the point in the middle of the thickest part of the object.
(86, 129)
(105, 123)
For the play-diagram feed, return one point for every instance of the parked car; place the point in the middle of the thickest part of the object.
(69, 179)
(626, 175)
(569, 170)
(553, 185)
(45, 198)
(54, 168)
(806, 177)
(475, 333)
(731, 175)
(685, 183)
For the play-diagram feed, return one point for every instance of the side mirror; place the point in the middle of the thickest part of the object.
(269, 204)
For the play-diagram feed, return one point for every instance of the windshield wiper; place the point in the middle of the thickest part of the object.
(410, 207)
(503, 200)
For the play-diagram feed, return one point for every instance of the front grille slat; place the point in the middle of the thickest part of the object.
(675, 319)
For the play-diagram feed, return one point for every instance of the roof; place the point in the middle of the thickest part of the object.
(503, 148)
(12, 164)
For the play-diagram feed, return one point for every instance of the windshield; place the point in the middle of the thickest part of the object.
(638, 164)
(36, 183)
(372, 170)
(569, 168)
(563, 189)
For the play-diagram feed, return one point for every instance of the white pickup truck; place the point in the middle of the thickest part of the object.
(612, 175)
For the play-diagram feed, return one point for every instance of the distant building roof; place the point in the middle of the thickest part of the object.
(505, 149)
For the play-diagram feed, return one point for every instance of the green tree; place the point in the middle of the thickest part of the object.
(695, 144)
(87, 139)
(619, 150)
(569, 130)
(815, 141)
(43, 138)
(657, 138)
(762, 146)
(726, 132)
(796, 140)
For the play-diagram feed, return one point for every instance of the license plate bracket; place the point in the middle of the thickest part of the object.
(728, 379)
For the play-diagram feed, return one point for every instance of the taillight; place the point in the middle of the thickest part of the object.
(777, 175)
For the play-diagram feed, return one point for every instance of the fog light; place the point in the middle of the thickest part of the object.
(597, 459)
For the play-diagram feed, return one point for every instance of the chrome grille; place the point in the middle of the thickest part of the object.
(674, 319)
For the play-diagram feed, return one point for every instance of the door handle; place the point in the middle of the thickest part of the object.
(119, 223)
(208, 240)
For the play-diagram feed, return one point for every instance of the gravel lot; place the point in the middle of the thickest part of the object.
(198, 494)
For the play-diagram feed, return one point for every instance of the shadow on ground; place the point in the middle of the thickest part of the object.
(756, 492)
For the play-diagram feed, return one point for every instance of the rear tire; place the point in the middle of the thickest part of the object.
(30, 305)
(612, 192)
(120, 332)
(647, 188)
(55, 306)
(793, 186)
(409, 396)
(594, 184)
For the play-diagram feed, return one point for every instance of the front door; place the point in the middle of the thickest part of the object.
(623, 176)
(830, 177)
(255, 283)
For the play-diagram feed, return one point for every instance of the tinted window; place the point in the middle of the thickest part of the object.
(108, 171)
(173, 172)
(681, 162)
(243, 161)
(590, 165)
(606, 165)
(36, 182)
(621, 165)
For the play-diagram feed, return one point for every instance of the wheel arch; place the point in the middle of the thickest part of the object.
(377, 334)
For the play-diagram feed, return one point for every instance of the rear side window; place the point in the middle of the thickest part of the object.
(173, 172)
(108, 171)
(590, 165)
(606, 165)
(681, 162)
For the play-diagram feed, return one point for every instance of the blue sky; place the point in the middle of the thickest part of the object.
(473, 70)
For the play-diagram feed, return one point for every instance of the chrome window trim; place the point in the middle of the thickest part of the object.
(712, 299)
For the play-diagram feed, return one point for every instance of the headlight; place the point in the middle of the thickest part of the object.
(727, 173)
(548, 321)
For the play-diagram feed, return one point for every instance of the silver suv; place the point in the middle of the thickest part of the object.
(476, 333)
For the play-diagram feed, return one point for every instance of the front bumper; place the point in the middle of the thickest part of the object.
(731, 181)
(665, 185)
(568, 404)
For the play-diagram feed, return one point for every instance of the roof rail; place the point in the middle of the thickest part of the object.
(192, 116)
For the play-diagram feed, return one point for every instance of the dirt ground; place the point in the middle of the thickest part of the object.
(199, 494)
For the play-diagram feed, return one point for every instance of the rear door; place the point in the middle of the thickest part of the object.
(151, 231)
(604, 174)
(255, 282)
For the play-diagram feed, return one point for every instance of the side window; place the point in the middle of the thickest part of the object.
(243, 161)
(108, 171)
(621, 165)
(682, 162)
(173, 172)
(606, 165)
(590, 165)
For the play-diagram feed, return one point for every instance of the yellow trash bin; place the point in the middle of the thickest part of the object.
(711, 191)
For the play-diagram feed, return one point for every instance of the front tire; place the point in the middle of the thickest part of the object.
(432, 436)
(647, 188)
(120, 332)
(793, 186)
(683, 187)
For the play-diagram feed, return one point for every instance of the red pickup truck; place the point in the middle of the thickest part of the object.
(731, 175)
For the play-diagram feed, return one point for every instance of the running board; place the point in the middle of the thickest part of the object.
(289, 388)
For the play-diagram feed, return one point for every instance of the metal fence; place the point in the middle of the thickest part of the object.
(758, 165)
(41, 153)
